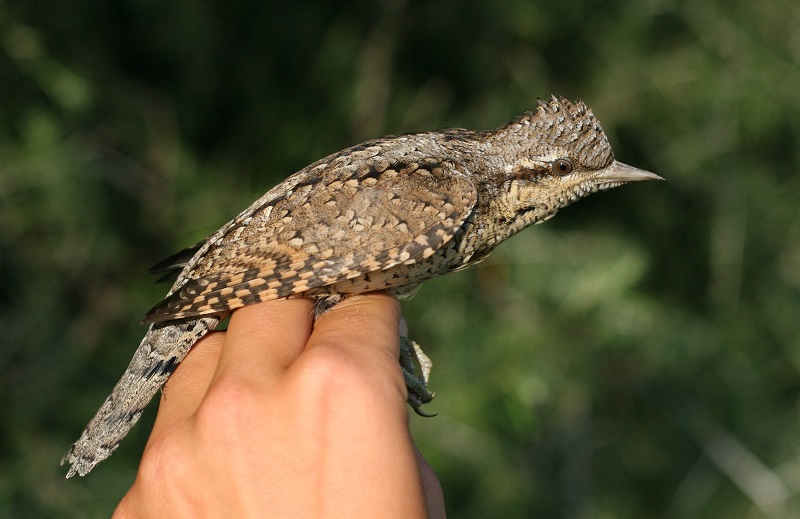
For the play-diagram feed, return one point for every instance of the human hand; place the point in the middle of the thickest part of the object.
(274, 418)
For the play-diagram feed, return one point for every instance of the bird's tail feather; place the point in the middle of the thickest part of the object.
(162, 349)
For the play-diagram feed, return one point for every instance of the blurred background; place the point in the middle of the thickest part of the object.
(637, 356)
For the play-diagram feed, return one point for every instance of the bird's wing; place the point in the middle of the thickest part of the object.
(171, 267)
(322, 226)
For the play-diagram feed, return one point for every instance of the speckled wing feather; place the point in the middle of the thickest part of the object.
(326, 228)
(171, 267)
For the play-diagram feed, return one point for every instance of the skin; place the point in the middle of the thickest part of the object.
(282, 417)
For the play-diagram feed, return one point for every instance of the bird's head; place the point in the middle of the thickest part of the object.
(557, 155)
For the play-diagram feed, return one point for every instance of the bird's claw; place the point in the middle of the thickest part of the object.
(411, 356)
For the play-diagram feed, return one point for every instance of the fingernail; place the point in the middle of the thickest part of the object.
(403, 328)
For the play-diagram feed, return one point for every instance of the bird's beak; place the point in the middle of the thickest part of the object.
(619, 172)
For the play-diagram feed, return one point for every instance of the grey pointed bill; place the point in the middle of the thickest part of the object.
(619, 172)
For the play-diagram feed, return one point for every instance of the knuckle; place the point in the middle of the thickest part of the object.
(330, 376)
(225, 413)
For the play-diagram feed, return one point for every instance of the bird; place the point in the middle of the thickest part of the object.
(387, 214)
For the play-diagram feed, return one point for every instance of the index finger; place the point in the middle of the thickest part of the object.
(264, 339)
(365, 330)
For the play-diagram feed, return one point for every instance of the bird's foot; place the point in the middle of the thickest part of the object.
(411, 357)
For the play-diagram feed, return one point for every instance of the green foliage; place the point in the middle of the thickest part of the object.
(638, 356)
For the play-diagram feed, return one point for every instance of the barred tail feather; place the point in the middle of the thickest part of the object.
(162, 349)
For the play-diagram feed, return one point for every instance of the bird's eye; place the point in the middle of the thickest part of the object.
(562, 167)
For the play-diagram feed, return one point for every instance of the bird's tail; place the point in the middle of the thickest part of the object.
(162, 349)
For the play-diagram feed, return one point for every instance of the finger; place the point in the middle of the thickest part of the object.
(187, 386)
(434, 497)
(264, 339)
(365, 326)
(364, 329)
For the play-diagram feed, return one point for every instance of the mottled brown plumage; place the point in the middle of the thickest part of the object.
(387, 214)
